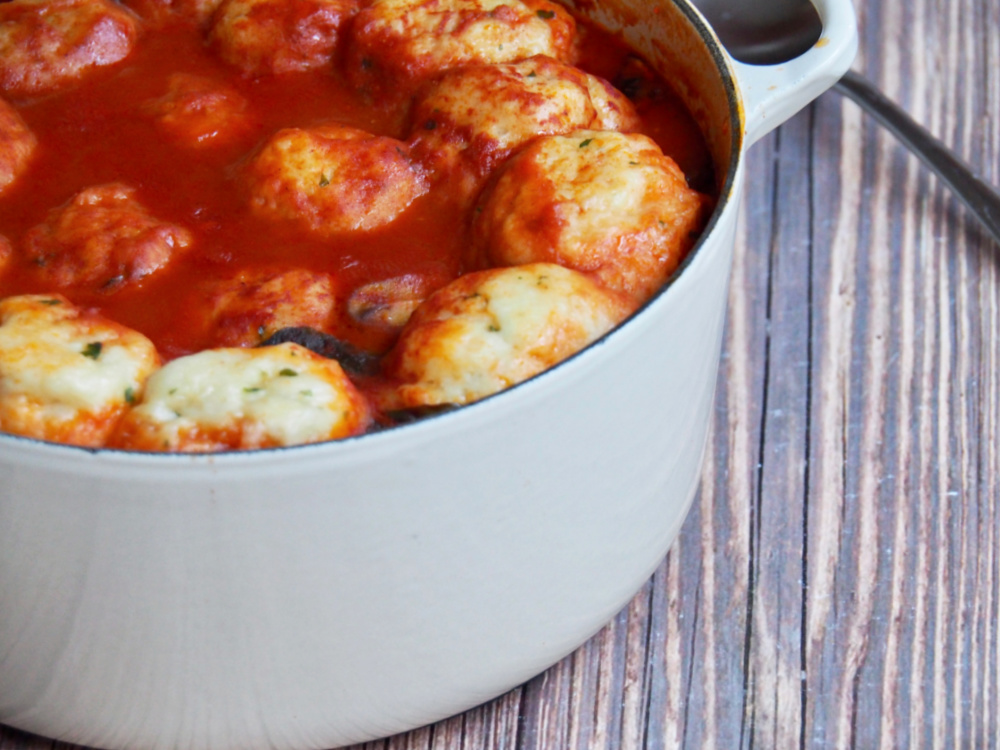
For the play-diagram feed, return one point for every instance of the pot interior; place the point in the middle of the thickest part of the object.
(674, 40)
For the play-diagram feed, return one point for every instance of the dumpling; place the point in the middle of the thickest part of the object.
(103, 239)
(470, 120)
(17, 144)
(261, 37)
(489, 330)
(238, 399)
(48, 44)
(333, 179)
(395, 44)
(609, 204)
(65, 374)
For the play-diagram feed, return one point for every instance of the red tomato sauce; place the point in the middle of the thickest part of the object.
(97, 132)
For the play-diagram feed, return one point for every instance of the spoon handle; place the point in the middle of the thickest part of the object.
(982, 199)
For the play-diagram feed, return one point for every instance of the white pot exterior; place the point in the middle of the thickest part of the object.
(323, 595)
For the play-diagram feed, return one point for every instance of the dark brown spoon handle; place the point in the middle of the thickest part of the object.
(982, 199)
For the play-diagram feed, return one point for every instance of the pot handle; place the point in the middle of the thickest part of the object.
(773, 93)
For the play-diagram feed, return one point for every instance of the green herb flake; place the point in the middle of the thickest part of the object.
(129, 395)
(494, 328)
(584, 144)
(92, 350)
(305, 393)
(546, 14)
(50, 302)
(633, 164)
(324, 180)
(288, 372)
(252, 389)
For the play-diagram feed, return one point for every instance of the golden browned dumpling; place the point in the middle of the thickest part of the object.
(472, 118)
(609, 204)
(47, 44)
(333, 179)
(17, 144)
(278, 36)
(101, 240)
(198, 111)
(67, 375)
(398, 42)
(491, 329)
(235, 399)
(252, 306)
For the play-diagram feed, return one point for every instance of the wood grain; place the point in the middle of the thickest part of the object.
(836, 583)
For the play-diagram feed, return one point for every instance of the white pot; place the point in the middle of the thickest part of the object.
(324, 595)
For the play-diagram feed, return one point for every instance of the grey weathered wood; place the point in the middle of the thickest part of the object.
(836, 584)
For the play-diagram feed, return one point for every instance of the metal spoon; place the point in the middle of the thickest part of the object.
(767, 32)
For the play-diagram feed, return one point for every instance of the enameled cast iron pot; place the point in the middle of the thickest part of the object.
(322, 595)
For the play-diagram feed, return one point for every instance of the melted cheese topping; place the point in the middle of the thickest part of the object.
(65, 375)
(489, 330)
(244, 398)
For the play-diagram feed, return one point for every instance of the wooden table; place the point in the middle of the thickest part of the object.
(836, 584)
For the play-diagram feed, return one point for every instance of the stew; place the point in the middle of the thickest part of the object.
(455, 194)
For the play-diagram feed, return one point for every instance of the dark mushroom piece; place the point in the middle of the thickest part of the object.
(353, 360)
